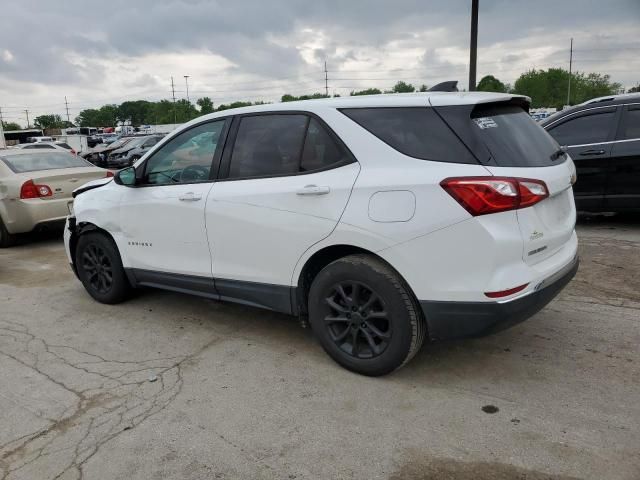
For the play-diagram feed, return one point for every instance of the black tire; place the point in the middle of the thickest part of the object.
(6, 239)
(100, 268)
(359, 300)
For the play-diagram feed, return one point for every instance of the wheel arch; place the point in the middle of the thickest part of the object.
(320, 259)
(82, 228)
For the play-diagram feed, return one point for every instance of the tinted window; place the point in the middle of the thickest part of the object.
(320, 149)
(64, 145)
(415, 131)
(187, 158)
(630, 123)
(268, 145)
(591, 128)
(32, 161)
(512, 137)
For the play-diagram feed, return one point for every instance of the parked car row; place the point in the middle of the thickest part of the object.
(122, 152)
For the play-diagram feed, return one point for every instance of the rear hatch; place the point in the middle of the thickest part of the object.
(509, 143)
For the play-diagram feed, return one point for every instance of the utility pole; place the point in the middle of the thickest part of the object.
(2, 142)
(326, 80)
(66, 105)
(186, 81)
(27, 112)
(173, 93)
(570, 65)
(473, 47)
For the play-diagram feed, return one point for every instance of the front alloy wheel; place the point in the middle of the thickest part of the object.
(97, 268)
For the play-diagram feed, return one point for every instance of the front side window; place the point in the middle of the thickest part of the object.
(186, 158)
(592, 128)
(630, 128)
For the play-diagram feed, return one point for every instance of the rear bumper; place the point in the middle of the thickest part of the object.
(448, 320)
(23, 216)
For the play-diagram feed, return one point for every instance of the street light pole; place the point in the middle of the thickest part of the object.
(186, 81)
(473, 47)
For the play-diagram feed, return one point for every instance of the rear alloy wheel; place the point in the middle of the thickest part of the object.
(6, 239)
(364, 315)
(100, 268)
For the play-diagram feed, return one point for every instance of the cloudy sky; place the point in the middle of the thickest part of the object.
(108, 52)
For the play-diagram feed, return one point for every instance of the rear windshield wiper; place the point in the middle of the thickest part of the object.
(557, 154)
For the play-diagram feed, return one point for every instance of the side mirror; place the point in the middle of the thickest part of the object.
(126, 177)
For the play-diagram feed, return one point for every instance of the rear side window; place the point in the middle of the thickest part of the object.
(594, 127)
(320, 150)
(630, 128)
(418, 132)
(512, 137)
(64, 145)
(283, 144)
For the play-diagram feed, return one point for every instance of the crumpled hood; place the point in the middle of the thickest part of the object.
(91, 185)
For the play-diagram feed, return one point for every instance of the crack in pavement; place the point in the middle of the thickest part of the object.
(111, 397)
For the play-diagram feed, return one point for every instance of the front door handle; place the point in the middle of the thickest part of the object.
(592, 152)
(313, 190)
(189, 197)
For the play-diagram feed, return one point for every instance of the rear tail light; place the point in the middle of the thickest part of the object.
(31, 190)
(109, 174)
(484, 195)
(73, 152)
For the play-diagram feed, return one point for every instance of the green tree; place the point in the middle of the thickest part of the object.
(368, 91)
(50, 121)
(105, 116)
(634, 89)
(11, 126)
(137, 112)
(489, 83)
(291, 98)
(423, 88)
(548, 88)
(403, 87)
(205, 104)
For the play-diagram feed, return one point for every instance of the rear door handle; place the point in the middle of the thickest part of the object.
(592, 152)
(313, 190)
(189, 197)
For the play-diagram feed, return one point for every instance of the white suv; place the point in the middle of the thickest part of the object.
(383, 219)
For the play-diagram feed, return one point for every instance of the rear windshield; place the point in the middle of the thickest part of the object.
(32, 162)
(512, 137)
(418, 132)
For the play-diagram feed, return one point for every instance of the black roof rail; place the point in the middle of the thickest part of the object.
(448, 86)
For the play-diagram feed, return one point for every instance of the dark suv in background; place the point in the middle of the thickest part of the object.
(602, 136)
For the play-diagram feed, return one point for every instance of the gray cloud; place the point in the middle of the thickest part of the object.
(81, 48)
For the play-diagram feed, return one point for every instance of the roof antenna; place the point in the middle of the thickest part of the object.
(448, 86)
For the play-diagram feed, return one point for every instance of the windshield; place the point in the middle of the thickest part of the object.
(32, 162)
(513, 138)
